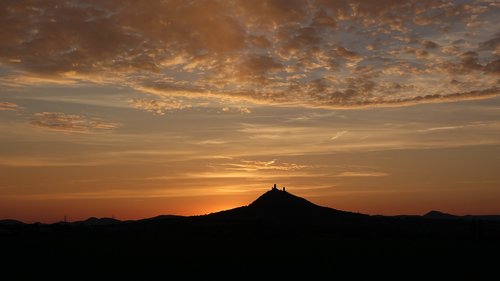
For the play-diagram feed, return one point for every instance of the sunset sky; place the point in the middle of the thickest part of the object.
(134, 109)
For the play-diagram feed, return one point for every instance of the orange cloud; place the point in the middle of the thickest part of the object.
(249, 166)
(59, 121)
(332, 54)
(362, 174)
(8, 106)
(242, 110)
(159, 106)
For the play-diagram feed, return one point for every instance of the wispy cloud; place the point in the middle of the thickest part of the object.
(249, 166)
(331, 54)
(273, 132)
(362, 174)
(209, 142)
(457, 127)
(60, 121)
(446, 128)
(338, 135)
(8, 106)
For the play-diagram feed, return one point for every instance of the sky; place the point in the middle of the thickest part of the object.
(133, 109)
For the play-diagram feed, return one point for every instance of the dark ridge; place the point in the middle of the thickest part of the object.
(446, 216)
(160, 218)
(11, 222)
(98, 221)
(482, 217)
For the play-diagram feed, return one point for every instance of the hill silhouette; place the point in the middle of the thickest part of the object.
(439, 215)
(281, 206)
(278, 234)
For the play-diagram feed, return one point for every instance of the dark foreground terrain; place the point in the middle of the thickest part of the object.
(278, 235)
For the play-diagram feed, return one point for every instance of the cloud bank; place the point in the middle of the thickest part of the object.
(333, 54)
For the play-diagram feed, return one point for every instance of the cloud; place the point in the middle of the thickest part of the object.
(346, 54)
(210, 142)
(491, 44)
(362, 174)
(338, 135)
(244, 110)
(473, 95)
(446, 128)
(258, 66)
(159, 106)
(332, 54)
(60, 121)
(8, 106)
(457, 127)
(273, 165)
(493, 67)
(241, 110)
(428, 44)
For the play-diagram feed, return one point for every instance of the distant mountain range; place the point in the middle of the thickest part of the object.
(445, 216)
(275, 205)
